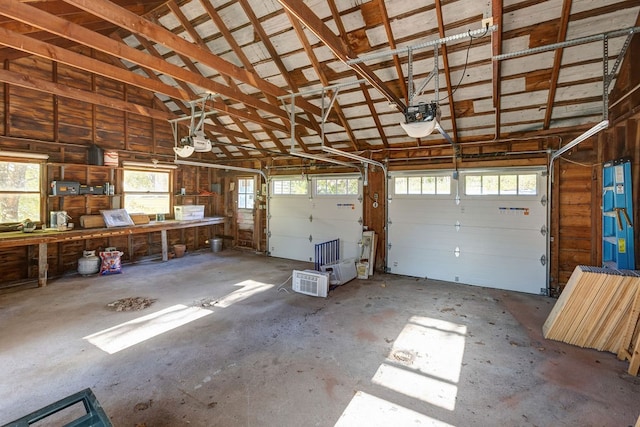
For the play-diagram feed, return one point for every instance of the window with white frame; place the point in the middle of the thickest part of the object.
(525, 184)
(423, 185)
(147, 191)
(246, 193)
(20, 191)
(336, 186)
(290, 186)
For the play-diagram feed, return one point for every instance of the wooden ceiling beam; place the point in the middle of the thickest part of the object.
(496, 49)
(275, 57)
(321, 75)
(237, 50)
(85, 63)
(339, 48)
(104, 44)
(343, 35)
(557, 62)
(392, 45)
(447, 74)
(139, 25)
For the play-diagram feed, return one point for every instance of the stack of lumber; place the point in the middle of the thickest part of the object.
(599, 308)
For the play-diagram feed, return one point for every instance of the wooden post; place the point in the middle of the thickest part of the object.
(165, 251)
(42, 264)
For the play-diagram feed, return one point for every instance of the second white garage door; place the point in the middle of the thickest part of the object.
(305, 212)
(487, 228)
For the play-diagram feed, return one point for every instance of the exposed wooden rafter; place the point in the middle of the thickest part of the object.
(139, 25)
(339, 48)
(557, 61)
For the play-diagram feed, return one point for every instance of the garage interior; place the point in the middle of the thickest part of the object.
(475, 164)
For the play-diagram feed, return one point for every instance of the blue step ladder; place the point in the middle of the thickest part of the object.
(617, 216)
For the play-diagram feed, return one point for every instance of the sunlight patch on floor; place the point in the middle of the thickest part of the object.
(135, 331)
(367, 410)
(424, 363)
(248, 289)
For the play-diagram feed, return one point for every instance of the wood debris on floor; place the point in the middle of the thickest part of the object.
(131, 304)
(599, 308)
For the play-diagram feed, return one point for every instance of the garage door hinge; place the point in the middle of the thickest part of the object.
(543, 201)
(310, 218)
(310, 238)
(389, 246)
(543, 260)
(360, 198)
(269, 234)
(543, 230)
(389, 221)
(360, 221)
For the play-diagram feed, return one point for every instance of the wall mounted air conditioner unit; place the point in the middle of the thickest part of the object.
(311, 282)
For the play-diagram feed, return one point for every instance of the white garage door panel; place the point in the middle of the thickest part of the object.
(512, 273)
(492, 241)
(506, 242)
(290, 247)
(425, 262)
(293, 219)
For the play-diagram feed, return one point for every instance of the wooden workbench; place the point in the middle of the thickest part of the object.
(43, 238)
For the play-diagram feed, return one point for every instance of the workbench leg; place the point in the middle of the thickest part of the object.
(165, 250)
(42, 264)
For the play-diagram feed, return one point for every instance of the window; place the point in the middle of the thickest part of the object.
(246, 196)
(336, 186)
(504, 185)
(147, 191)
(422, 185)
(297, 187)
(19, 191)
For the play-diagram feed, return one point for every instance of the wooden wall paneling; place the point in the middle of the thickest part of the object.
(31, 112)
(4, 102)
(13, 263)
(163, 138)
(139, 131)
(110, 123)
(74, 123)
(69, 253)
(571, 219)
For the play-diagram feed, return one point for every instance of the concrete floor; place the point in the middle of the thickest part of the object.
(387, 351)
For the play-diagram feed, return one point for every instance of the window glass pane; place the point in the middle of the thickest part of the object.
(249, 186)
(415, 185)
(508, 184)
(527, 184)
(18, 176)
(490, 184)
(299, 186)
(277, 187)
(341, 186)
(18, 207)
(353, 186)
(147, 203)
(443, 185)
(321, 186)
(146, 192)
(242, 185)
(249, 200)
(473, 185)
(400, 186)
(428, 185)
(147, 181)
(242, 200)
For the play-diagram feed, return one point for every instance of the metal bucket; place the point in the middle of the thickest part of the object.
(216, 244)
